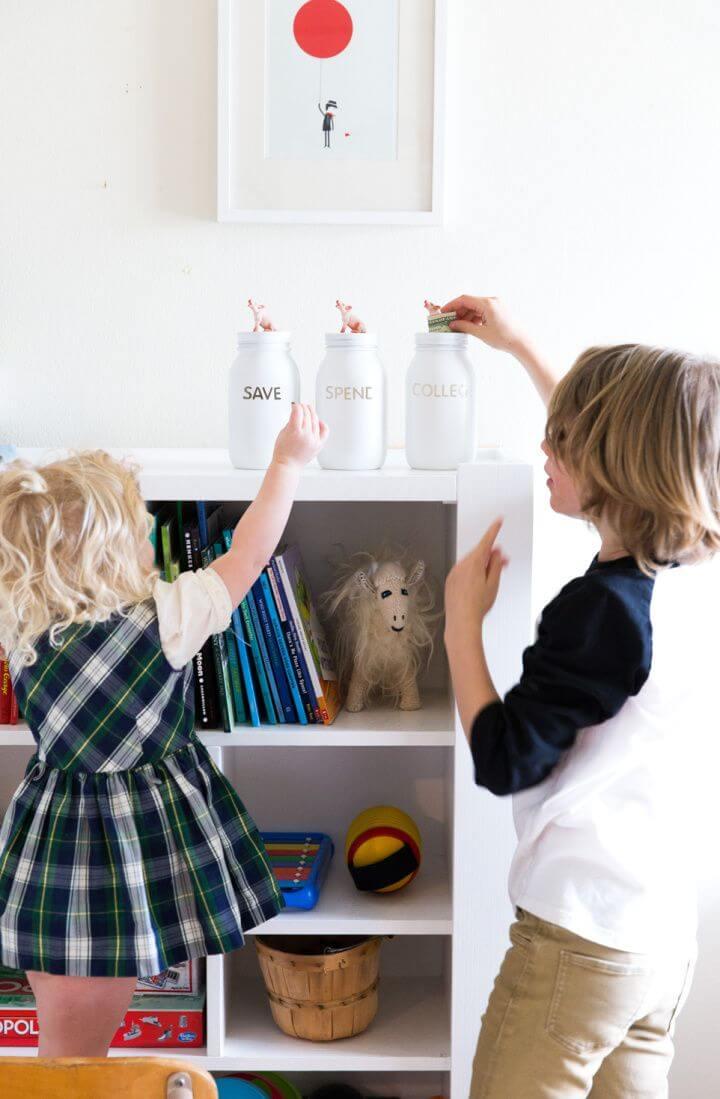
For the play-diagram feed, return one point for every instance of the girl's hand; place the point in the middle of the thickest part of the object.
(488, 319)
(472, 585)
(301, 438)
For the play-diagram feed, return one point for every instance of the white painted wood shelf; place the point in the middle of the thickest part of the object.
(449, 927)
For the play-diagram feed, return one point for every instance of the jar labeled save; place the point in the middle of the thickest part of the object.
(264, 381)
(440, 402)
(351, 399)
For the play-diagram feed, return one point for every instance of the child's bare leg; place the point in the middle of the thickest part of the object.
(78, 1016)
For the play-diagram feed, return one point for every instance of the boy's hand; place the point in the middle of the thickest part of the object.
(472, 585)
(486, 318)
(301, 438)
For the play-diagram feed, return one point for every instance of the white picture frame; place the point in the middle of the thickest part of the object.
(429, 177)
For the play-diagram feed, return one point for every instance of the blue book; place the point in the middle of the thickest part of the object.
(269, 586)
(297, 657)
(263, 596)
(257, 663)
(7, 453)
(242, 652)
(260, 637)
(202, 523)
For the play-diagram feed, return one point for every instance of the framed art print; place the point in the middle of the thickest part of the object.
(331, 111)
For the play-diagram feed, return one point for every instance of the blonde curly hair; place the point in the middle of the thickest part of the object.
(71, 534)
(639, 429)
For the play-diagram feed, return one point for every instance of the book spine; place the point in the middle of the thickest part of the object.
(312, 666)
(258, 662)
(242, 653)
(262, 598)
(233, 665)
(5, 693)
(260, 635)
(293, 644)
(13, 707)
(225, 704)
(206, 706)
(280, 636)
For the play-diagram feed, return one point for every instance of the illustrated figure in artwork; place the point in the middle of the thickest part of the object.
(350, 323)
(433, 309)
(328, 124)
(261, 318)
(381, 608)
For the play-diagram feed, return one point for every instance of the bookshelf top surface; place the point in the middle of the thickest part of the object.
(206, 473)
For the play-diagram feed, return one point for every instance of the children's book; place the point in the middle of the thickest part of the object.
(269, 675)
(5, 693)
(207, 703)
(268, 580)
(292, 643)
(257, 661)
(233, 664)
(169, 542)
(311, 633)
(222, 671)
(263, 597)
(243, 648)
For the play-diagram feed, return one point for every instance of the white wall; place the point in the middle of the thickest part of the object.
(584, 166)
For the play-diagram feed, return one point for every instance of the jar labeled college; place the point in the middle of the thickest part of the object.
(264, 381)
(351, 397)
(440, 402)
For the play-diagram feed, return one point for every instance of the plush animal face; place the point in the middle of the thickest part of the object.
(391, 586)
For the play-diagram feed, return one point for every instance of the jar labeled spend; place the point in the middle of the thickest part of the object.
(440, 402)
(351, 399)
(264, 381)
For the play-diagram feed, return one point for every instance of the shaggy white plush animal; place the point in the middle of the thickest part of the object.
(383, 632)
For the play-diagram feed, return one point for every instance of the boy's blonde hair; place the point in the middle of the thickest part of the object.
(638, 428)
(70, 538)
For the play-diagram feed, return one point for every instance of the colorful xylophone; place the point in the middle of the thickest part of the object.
(300, 862)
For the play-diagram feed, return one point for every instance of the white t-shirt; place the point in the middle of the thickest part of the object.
(189, 610)
(609, 743)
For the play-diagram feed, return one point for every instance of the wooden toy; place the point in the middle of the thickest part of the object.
(300, 862)
(383, 849)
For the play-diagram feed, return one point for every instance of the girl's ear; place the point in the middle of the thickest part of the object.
(364, 581)
(416, 574)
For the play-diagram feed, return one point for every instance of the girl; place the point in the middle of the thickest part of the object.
(124, 850)
(604, 738)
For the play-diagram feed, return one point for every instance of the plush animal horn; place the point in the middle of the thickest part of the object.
(416, 574)
(364, 581)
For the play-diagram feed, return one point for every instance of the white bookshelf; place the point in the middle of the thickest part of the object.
(449, 927)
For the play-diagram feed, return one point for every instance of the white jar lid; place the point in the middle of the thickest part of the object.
(351, 341)
(263, 339)
(435, 340)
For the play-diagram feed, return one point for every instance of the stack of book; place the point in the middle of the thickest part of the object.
(8, 700)
(273, 665)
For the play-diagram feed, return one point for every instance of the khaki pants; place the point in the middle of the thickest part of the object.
(568, 1019)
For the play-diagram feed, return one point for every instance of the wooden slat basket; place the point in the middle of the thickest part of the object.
(320, 996)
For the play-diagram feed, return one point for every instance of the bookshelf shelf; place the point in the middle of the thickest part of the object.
(423, 909)
(449, 928)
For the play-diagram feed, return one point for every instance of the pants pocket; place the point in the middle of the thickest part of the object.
(684, 993)
(594, 1001)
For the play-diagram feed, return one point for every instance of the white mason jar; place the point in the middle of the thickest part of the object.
(351, 398)
(264, 381)
(440, 402)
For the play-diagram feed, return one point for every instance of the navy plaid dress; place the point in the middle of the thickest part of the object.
(124, 849)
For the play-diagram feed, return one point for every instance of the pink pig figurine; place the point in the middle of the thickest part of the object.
(349, 321)
(433, 309)
(262, 319)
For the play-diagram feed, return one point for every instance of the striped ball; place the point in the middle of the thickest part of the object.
(383, 849)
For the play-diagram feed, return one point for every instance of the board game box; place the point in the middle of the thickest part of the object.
(153, 1020)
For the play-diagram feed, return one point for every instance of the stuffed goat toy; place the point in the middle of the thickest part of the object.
(383, 635)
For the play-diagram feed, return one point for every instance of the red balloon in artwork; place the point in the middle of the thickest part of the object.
(323, 28)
